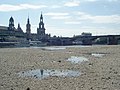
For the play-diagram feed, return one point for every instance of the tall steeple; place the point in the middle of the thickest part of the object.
(28, 29)
(11, 24)
(41, 24)
(41, 18)
(41, 29)
(28, 21)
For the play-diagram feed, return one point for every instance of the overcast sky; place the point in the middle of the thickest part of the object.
(64, 17)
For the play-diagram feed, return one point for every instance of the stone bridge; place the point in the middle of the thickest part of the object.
(88, 40)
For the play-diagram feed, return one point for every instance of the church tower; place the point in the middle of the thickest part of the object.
(41, 29)
(11, 24)
(28, 30)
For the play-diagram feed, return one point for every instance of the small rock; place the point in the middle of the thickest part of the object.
(91, 64)
(28, 88)
(108, 78)
(115, 72)
(112, 82)
(91, 88)
(59, 61)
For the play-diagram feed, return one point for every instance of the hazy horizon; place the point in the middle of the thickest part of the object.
(64, 17)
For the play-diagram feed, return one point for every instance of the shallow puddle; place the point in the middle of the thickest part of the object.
(75, 59)
(97, 54)
(53, 48)
(41, 74)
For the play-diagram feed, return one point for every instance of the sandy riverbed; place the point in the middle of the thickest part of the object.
(99, 73)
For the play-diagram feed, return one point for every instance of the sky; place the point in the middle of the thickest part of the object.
(64, 17)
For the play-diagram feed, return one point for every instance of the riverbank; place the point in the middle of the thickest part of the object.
(98, 73)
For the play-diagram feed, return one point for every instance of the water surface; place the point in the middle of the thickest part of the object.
(41, 74)
(53, 48)
(75, 59)
(97, 54)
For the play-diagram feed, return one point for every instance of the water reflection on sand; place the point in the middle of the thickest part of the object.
(41, 73)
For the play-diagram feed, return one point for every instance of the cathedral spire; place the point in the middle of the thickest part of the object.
(41, 17)
(28, 29)
(41, 29)
(28, 21)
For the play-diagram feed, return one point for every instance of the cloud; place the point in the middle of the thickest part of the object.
(80, 17)
(61, 17)
(105, 19)
(91, 0)
(73, 3)
(9, 7)
(56, 6)
(58, 15)
(100, 0)
(72, 22)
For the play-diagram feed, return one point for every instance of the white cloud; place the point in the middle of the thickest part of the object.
(91, 0)
(56, 14)
(72, 3)
(56, 6)
(99, 19)
(29, 6)
(100, 0)
(80, 17)
(79, 13)
(106, 19)
(72, 22)
(61, 17)
(9, 7)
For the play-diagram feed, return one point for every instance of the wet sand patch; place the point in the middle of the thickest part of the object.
(41, 73)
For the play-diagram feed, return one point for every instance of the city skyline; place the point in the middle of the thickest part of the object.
(66, 18)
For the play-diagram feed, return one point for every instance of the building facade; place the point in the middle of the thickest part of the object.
(17, 33)
(10, 33)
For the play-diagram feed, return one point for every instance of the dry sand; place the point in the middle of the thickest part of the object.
(99, 73)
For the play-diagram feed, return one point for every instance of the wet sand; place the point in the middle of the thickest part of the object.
(98, 73)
